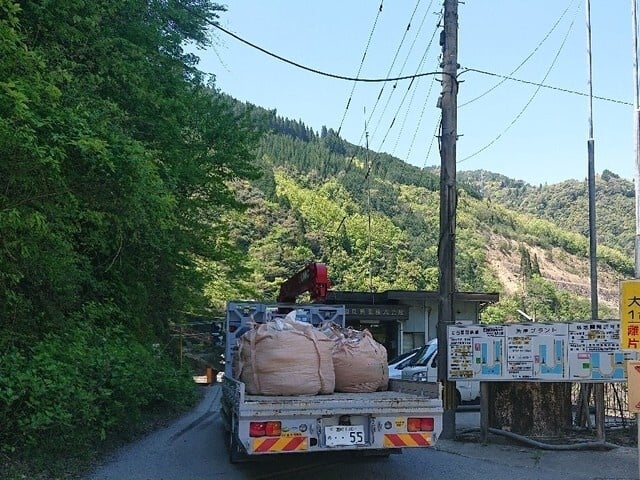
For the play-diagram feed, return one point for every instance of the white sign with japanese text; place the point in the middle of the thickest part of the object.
(551, 352)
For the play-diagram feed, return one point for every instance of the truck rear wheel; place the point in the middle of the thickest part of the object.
(236, 454)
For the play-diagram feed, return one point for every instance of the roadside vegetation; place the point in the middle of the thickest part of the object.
(115, 153)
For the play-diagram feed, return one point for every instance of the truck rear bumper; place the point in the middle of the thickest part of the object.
(337, 433)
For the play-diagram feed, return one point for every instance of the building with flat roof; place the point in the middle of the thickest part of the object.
(402, 320)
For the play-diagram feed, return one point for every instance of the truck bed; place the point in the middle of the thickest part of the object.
(405, 396)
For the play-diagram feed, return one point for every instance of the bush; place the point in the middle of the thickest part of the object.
(74, 388)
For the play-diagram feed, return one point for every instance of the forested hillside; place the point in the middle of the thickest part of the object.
(374, 220)
(567, 203)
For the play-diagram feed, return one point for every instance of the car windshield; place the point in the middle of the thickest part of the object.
(424, 355)
(401, 357)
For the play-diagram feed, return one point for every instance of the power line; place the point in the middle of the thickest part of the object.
(422, 60)
(364, 55)
(406, 93)
(543, 85)
(535, 93)
(320, 72)
(368, 186)
(555, 25)
(407, 77)
(393, 62)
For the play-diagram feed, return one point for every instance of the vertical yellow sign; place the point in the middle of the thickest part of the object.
(630, 315)
(633, 382)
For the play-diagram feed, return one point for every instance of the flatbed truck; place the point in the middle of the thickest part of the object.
(406, 415)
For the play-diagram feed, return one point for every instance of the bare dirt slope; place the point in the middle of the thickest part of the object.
(567, 272)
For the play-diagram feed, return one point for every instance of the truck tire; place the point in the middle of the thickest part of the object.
(381, 453)
(226, 421)
(236, 454)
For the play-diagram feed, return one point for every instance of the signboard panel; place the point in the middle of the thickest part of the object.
(476, 352)
(537, 351)
(543, 352)
(630, 315)
(594, 352)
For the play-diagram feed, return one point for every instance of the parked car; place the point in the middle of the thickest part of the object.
(398, 363)
(423, 367)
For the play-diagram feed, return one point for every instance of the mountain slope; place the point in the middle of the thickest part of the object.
(374, 220)
(567, 203)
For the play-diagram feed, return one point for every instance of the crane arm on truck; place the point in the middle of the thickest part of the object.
(313, 279)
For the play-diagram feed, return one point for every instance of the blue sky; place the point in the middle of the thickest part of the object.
(537, 137)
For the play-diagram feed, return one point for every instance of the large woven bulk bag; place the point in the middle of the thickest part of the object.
(285, 357)
(359, 362)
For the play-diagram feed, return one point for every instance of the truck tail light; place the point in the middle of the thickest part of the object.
(273, 429)
(265, 429)
(420, 424)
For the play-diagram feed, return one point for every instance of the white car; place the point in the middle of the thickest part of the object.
(398, 363)
(423, 367)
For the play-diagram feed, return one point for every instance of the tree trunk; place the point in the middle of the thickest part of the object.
(530, 408)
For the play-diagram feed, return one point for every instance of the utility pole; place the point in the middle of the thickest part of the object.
(448, 102)
(598, 388)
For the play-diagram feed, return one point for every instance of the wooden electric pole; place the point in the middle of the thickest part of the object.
(448, 102)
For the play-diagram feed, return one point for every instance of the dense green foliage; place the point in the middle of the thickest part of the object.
(115, 163)
(567, 204)
(71, 389)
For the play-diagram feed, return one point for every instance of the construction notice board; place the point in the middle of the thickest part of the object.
(544, 352)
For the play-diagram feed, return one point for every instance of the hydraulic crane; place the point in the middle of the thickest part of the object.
(313, 279)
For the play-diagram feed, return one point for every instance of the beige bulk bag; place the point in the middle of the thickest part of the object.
(359, 362)
(285, 357)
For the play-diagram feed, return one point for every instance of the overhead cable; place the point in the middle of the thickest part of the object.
(415, 87)
(543, 85)
(417, 82)
(393, 62)
(555, 25)
(320, 72)
(406, 77)
(535, 93)
(364, 55)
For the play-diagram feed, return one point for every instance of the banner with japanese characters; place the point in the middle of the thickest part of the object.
(544, 352)
(630, 315)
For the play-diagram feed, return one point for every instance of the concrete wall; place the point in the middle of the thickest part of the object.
(423, 317)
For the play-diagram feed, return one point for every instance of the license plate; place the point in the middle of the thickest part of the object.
(344, 435)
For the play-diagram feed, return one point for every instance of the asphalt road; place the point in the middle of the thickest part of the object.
(194, 448)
